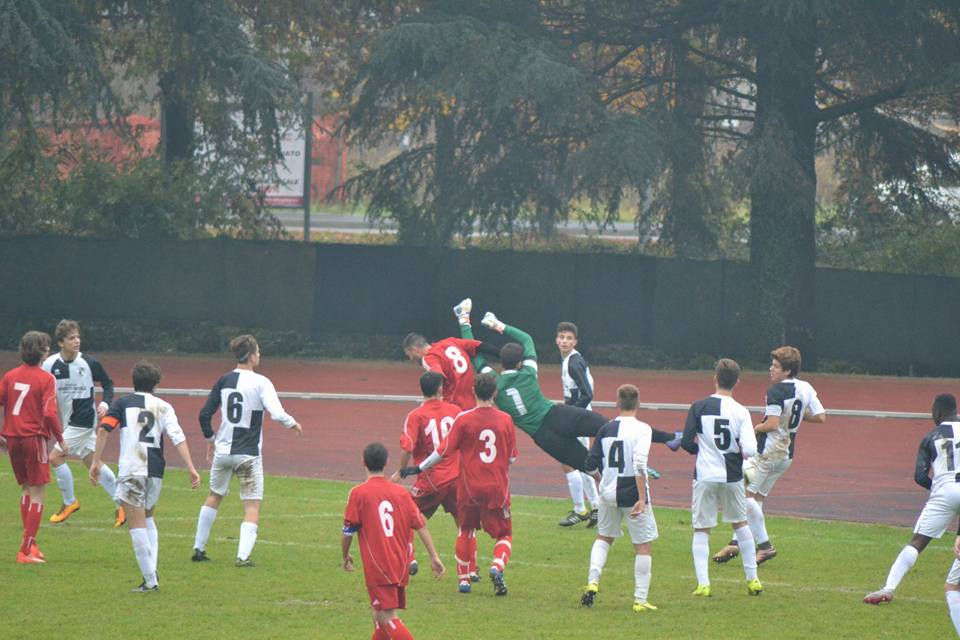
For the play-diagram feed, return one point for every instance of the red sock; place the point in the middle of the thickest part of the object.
(397, 631)
(501, 552)
(379, 633)
(473, 552)
(34, 513)
(464, 553)
(24, 507)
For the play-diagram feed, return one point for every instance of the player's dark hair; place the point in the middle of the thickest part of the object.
(727, 372)
(146, 376)
(64, 328)
(243, 347)
(485, 386)
(511, 355)
(430, 383)
(789, 359)
(34, 345)
(567, 326)
(944, 406)
(627, 397)
(375, 457)
(414, 341)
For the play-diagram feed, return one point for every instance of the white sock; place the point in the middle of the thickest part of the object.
(248, 537)
(598, 558)
(758, 525)
(141, 549)
(903, 563)
(204, 523)
(953, 606)
(65, 482)
(748, 552)
(590, 490)
(154, 541)
(641, 573)
(701, 553)
(108, 481)
(575, 485)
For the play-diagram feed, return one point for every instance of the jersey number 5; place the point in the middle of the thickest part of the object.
(722, 436)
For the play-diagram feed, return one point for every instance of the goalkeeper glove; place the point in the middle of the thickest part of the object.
(409, 471)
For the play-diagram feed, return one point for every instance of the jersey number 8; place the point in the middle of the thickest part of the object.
(455, 356)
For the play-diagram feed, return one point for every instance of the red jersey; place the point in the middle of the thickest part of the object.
(384, 516)
(424, 429)
(29, 398)
(450, 357)
(487, 442)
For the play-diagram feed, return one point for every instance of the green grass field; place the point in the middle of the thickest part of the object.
(297, 590)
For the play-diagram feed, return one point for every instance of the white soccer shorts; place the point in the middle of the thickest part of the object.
(82, 441)
(642, 529)
(953, 576)
(941, 508)
(763, 473)
(248, 469)
(138, 491)
(709, 496)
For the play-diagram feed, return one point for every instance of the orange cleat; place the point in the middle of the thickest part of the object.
(35, 551)
(65, 512)
(23, 558)
(120, 518)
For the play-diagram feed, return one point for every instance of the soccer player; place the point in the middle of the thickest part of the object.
(423, 430)
(76, 374)
(621, 450)
(385, 516)
(951, 588)
(237, 448)
(789, 402)
(486, 440)
(555, 428)
(577, 391)
(142, 419)
(719, 432)
(937, 454)
(28, 395)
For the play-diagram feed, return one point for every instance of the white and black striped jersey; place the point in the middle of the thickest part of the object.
(142, 419)
(75, 388)
(938, 452)
(621, 450)
(577, 381)
(719, 431)
(242, 396)
(788, 400)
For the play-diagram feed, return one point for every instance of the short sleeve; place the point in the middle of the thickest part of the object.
(351, 516)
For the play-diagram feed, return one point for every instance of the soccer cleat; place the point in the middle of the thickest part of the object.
(653, 473)
(35, 551)
(199, 556)
(573, 518)
(464, 586)
(589, 594)
(726, 554)
(641, 606)
(702, 590)
(143, 588)
(490, 321)
(754, 588)
(766, 554)
(499, 586)
(594, 518)
(463, 309)
(120, 518)
(245, 563)
(413, 568)
(878, 597)
(474, 576)
(25, 558)
(65, 512)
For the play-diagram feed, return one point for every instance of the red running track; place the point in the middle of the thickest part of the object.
(855, 469)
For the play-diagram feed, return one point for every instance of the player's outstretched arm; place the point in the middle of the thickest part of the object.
(820, 418)
(427, 541)
(404, 461)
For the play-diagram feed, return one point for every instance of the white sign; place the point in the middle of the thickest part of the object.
(289, 190)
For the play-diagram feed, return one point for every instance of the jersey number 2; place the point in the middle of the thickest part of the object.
(146, 422)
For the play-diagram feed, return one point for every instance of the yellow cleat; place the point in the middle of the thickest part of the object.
(754, 588)
(121, 517)
(589, 594)
(642, 605)
(702, 590)
(65, 512)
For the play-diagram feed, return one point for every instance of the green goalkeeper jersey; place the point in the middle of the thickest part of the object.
(518, 392)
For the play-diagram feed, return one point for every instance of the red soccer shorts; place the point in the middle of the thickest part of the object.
(428, 502)
(28, 457)
(495, 522)
(387, 596)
